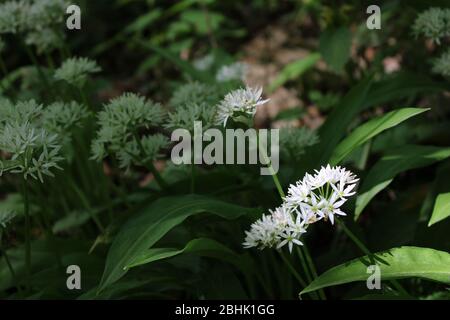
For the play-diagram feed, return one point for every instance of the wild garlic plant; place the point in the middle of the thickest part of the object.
(75, 71)
(37, 22)
(123, 133)
(441, 64)
(434, 24)
(240, 105)
(34, 151)
(316, 197)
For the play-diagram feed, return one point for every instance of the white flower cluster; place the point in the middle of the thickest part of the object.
(75, 70)
(441, 65)
(315, 197)
(240, 102)
(434, 24)
(234, 71)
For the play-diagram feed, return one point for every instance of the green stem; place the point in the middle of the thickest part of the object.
(272, 173)
(52, 240)
(87, 206)
(292, 269)
(3, 67)
(312, 267)
(304, 265)
(305, 262)
(26, 210)
(306, 270)
(192, 177)
(9, 265)
(371, 256)
(355, 239)
(84, 99)
(38, 68)
(159, 179)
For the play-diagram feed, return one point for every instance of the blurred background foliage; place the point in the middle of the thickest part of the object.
(326, 74)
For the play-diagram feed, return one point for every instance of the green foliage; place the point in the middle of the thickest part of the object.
(396, 263)
(393, 163)
(34, 152)
(441, 65)
(76, 70)
(141, 226)
(335, 47)
(441, 208)
(294, 70)
(294, 141)
(433, 23)
(153, 222)
(119, 125)
(370, 129)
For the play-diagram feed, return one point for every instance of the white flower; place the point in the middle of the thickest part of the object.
(239, 102)
(204, 63)
(343, 190)
(289, 238)
(298, 193)
(314, 207)
(234, 71)
(331, 207)
(315, 197)
(297, 226)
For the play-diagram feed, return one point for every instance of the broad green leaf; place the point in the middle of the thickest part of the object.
(370, 129)
(294, 70)
(43, 257)
(203, 24)
(289, 114)
(335, 47)
(72, 220)
(363, 96)
(144, 21)
(337, 122)
(402, 262)
(183, 65)
(400, 85)
(394, 162)
(441, 208)
(201, 246)
(142, 231)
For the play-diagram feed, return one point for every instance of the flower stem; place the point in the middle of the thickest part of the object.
(159, 179)
(371, 256)
(87, 206)
(292, 269)
(355, 239)
(312, 267)
(10, 267)
(26, 210)
(192, 177)
(38, 68)
(307, 263)
(272, 173)
(306, 270)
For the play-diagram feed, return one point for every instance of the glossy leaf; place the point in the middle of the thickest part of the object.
(370, 129)
(396, 161)
(441, 208)
(398, 263)
(335, 47)
(142, 231)
(294, 70)
(201, 246)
